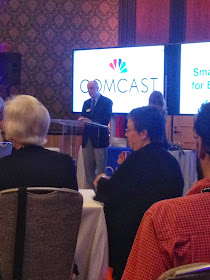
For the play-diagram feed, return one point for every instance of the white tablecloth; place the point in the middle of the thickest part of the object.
(91, 254)
(187, 162)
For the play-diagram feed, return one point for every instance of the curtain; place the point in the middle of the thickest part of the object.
(152, 22)
(127, 23)
(198, 20)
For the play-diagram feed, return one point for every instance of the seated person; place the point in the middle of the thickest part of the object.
(148, 175)
(26, 123)
(176, 232)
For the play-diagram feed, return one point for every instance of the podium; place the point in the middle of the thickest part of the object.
(72, 131)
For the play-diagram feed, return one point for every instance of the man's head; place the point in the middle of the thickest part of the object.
(145, 125)
(26, 120)
(202, 129)
(93, 89)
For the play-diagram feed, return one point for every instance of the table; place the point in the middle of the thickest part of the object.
(91, 254)
(187, 161)
(116, 155)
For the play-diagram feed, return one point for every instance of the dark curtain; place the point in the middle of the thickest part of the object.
(177, 20)
(127, 23)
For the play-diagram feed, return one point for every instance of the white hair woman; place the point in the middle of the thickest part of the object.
(26, 126)
(26, 121)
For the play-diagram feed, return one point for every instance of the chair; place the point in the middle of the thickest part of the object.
(5, 149)
(52, 223)
(54, 149)
(195, 271)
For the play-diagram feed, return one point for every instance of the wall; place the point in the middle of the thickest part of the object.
(45, 33)
(174, 21)
(182, 131)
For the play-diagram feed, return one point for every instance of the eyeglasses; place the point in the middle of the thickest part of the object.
(129, 130)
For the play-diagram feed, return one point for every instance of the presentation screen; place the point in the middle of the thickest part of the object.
(195, 77)
(125, 75)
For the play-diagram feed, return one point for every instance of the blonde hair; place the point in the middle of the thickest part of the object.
(156, 98)
(26, 120)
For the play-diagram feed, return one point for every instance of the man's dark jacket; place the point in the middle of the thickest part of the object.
(145, 177)
(99, 137)
(34, 166)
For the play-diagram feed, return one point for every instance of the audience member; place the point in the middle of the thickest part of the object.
(176, 232)
(156, 98)
(148, 175)
(26, 125)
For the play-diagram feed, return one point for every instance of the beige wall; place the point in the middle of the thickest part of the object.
(182, 131)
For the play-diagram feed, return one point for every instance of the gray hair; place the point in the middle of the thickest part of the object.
(26, 120)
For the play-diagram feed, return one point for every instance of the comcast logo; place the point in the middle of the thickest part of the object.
(118, 64)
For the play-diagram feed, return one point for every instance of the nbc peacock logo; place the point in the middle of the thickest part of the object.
(122, 157)
(118, 64)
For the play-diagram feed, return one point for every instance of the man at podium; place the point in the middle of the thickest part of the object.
(95, 141)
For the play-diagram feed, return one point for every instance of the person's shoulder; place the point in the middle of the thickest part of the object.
(162, 205)
(159, 148)
(169, 209)
(177, 215)
(58, 155)
(106, 99)
(165, 210)
(87, 101)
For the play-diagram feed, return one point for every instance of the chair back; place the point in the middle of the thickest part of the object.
(54, 149)
(52, 223)
(203, 276)
(195, 271)
(5, 149)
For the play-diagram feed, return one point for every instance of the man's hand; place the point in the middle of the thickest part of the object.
(102, 175)
(84, 119)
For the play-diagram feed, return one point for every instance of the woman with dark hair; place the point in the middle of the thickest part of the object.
(156, 98)
(147, 175)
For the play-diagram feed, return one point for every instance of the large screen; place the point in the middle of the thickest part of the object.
(125, 75)
(195, 76)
